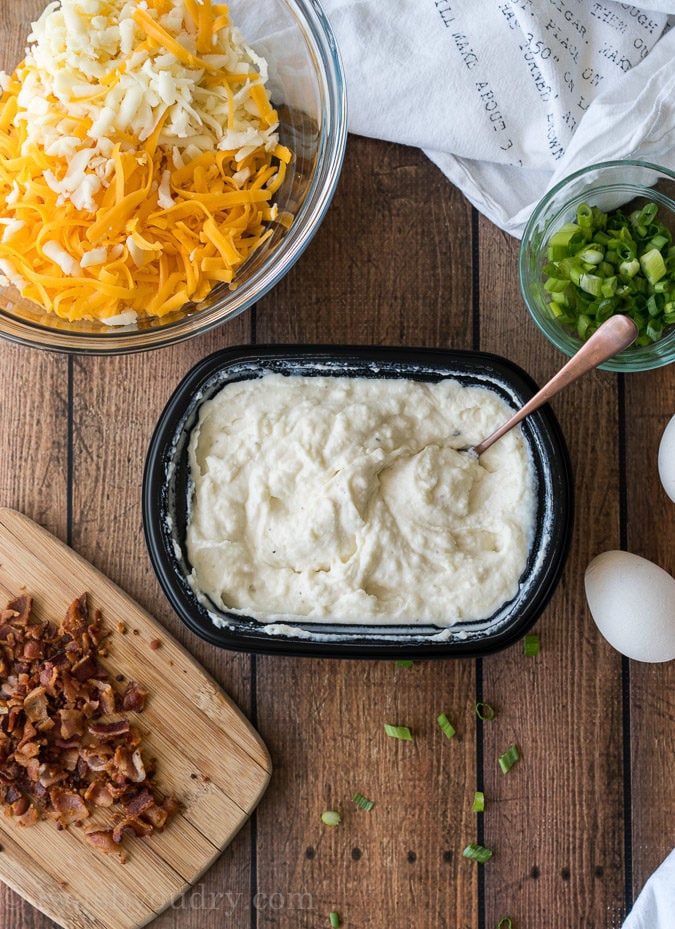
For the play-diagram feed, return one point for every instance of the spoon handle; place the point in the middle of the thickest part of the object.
(610, 338)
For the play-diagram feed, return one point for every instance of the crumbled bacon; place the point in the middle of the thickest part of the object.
(134, 697)
(102, 839)
(66, 747)
(104, 731)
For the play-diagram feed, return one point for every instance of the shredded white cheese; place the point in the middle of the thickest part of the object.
(60, 256)
(89, 63)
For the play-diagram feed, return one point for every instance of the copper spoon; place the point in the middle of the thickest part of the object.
(610, 338)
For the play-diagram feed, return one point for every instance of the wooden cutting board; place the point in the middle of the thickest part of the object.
(207, 754)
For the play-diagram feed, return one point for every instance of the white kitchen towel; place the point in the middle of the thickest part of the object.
(655, 906)
(509, 96)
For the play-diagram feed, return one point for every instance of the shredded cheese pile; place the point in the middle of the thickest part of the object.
(139, 158)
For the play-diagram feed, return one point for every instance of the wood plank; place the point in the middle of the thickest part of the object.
(381, 270)
(113, 424)
(402, 857)
(116, 404)
(101, 893)
(649, 404)
(15, 20)
(555, 822)
(34, 434)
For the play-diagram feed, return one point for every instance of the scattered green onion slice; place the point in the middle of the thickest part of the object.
(363, 802)
(331, 818)
(609, 263)
(505, 923)
(477, 852)
(334, 919)
(478, 801)
(404, 663)
(508, 759)
(445, 725)
(531, 644)
(485, 711)
(398, 732)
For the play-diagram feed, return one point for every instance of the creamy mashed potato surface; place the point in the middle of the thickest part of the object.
(337, 499)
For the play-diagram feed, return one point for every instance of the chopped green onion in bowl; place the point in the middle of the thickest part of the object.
(579, 259)
(609, 263)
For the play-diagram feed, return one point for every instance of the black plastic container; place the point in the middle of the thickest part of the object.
(166, 490)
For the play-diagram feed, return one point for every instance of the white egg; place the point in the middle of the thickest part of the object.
(667, 459)
(632, 601)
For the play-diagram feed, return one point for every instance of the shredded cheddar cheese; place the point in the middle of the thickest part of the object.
(139, 158)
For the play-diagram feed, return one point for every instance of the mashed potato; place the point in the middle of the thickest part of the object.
(346, 499)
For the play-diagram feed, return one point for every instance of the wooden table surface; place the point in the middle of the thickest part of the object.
(584, 818)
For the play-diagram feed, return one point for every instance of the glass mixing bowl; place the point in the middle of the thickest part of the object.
(307, 88)
(609, 185)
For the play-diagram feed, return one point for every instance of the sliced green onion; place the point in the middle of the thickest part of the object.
(479, 801)
(398, 732)
(331, 818)
(404, 663)
(531, 644)
(584, 216)
(477, 852)
(647, 214)
(565, 234)
(334, 919)
(505, 923)
(591, 284)
(508, 759)
(629, 268)
(592, 255)
(610, 263)
(485, 711)
(445, 725)
(653, 265)
(583, 324)
(363, 802)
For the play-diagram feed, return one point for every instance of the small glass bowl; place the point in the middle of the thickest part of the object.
(607, 185)
(307, 87)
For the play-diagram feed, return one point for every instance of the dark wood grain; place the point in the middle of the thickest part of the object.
(329, 736)
(650, 532)
(107, 530)
(33, 480)
(34, 396)
(563, 709)
(585, 816)
(390, 264)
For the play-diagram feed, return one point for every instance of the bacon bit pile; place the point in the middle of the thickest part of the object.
(66, 747)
